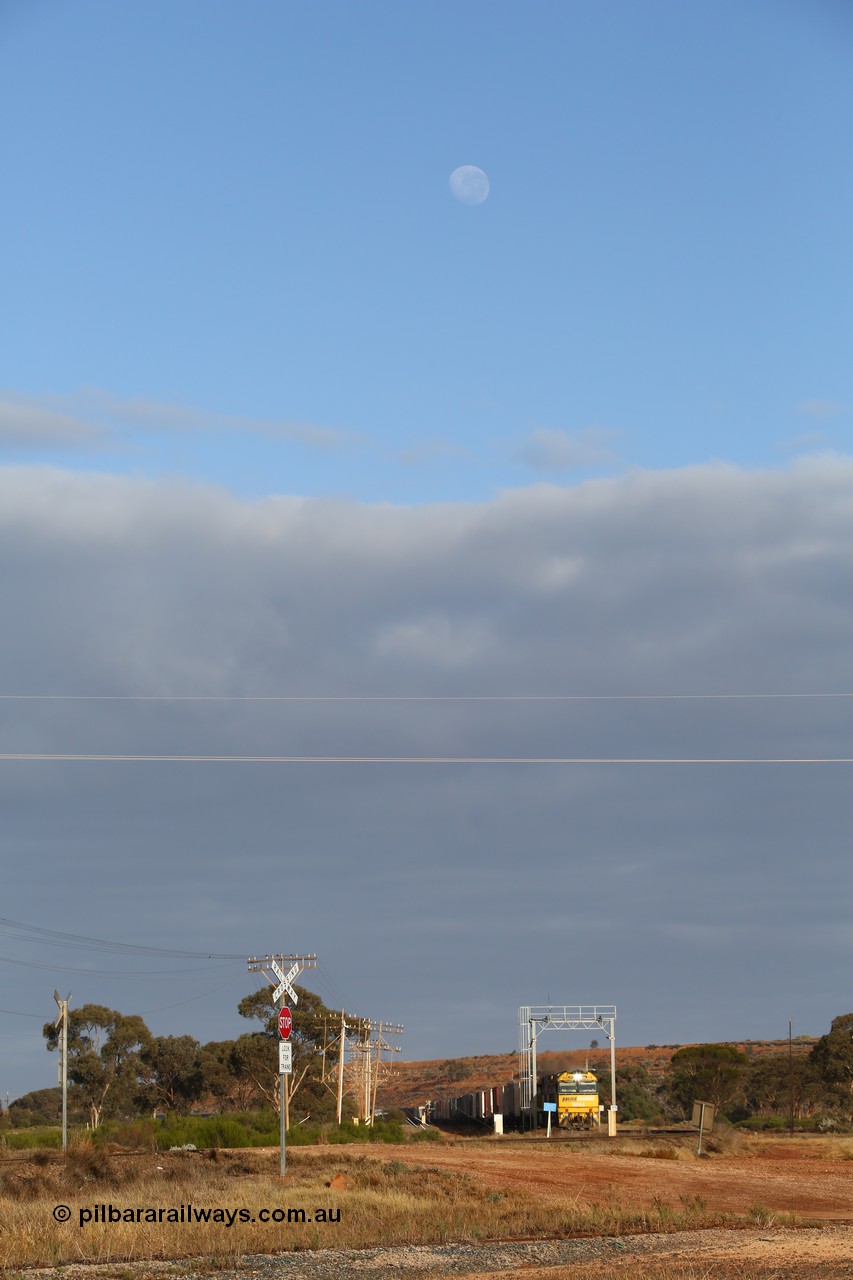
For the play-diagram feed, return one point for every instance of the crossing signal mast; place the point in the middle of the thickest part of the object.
(281, 972)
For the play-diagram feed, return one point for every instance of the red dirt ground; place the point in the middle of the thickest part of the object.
(784, 1177)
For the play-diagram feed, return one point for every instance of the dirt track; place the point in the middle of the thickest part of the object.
(753, 1254)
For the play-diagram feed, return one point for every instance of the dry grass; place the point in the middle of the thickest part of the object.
(383, 1202)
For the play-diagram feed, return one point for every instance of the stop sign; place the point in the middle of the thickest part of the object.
(285, 1023)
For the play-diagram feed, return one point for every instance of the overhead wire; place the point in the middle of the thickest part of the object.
(59, 967)
(414, 697)
(83, 942)
(126, 758)
(191, 999)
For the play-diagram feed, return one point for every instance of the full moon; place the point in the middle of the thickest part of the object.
(469, 184)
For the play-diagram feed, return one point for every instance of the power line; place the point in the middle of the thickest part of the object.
(412, 697)
(59, 967)
(336, 992)
(81, 941)
(126, 758)
(200, 996)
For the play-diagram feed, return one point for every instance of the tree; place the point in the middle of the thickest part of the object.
(312, 1021)
(707, 1073)
(219, 1079)
(832, 1059)
(103, 1058)
(767, 1089)
(42, 1106)
(171, 1072)
(636, 1095)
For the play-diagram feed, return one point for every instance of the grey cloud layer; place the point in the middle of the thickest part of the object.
(488, 887)
(705, 580)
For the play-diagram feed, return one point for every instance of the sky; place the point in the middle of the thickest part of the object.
(302, 455)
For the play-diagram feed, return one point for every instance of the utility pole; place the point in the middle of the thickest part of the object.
(275, 965)
(62, 1018)
(341, 1067)
(791, 1073)
(374, 1042)
(358, 1040)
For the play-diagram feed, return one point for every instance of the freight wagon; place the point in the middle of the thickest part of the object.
(575, 1094)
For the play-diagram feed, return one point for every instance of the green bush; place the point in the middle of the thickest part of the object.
(307, 1135)
(231, 1130)
(137, 1135)
(756, 1124)
(240, 1129)
(782, 1124)
(31, 1139)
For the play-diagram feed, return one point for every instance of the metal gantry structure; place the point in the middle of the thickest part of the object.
(533, 1019)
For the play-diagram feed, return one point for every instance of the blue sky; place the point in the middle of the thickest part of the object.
(244, 215)
(279, 416)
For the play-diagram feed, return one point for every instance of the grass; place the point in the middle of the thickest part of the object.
(383, 1202)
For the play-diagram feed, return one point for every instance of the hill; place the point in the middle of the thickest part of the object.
(413, 1083)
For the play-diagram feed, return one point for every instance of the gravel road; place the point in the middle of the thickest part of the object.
(766, 1252)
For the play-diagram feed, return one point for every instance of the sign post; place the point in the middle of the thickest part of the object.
(285, 1022)
(285, 1062)
(550, 1108)
(703, 1116)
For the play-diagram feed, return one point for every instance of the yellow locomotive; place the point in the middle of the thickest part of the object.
(576, 1096)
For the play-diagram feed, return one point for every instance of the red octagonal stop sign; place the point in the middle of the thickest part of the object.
(285, 1023)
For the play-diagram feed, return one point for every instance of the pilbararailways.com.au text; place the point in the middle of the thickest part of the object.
(191, 1214)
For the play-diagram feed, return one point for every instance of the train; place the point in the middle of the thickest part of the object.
(573, 1095)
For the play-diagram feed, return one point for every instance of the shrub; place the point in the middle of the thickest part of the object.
(31, 1139)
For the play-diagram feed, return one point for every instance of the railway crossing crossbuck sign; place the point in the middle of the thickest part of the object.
(284, 981)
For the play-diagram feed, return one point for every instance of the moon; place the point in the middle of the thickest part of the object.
(469, 184)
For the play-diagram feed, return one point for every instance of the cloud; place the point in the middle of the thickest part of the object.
(806, 442)
(729, 880)
(431, 452)
(27, 424)
(93, 416)
(821, 409)
(551, 449)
